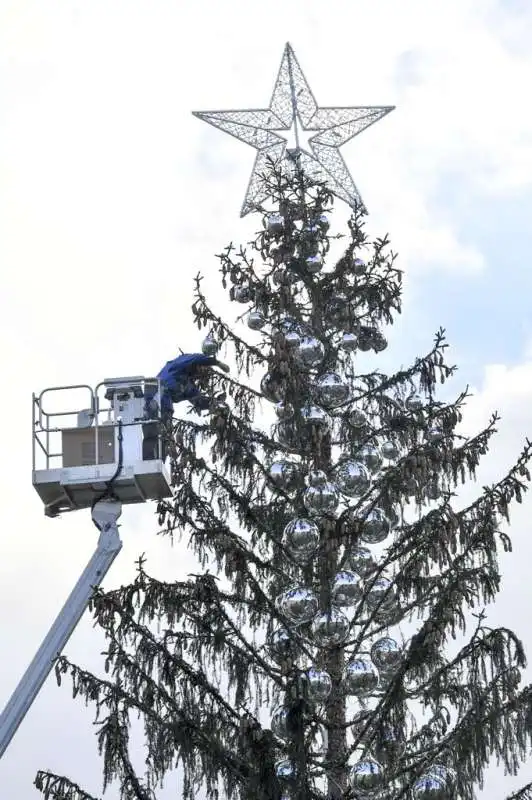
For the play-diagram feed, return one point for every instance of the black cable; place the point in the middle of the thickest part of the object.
(109, 485)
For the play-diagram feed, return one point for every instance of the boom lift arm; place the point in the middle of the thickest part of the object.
(105, 515)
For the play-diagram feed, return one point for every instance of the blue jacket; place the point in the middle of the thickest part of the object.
(177, 384)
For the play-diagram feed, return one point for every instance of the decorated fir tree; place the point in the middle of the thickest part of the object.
(311, 655)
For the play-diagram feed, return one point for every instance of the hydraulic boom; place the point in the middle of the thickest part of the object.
(105, 515)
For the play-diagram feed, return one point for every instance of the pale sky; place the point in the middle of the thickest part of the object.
(112, 196)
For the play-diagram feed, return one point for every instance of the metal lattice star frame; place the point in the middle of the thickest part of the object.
(293, 104)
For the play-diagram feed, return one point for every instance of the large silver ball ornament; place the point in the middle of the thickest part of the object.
(287, 434)
(275, 223)
(279, 723)
(389, 745)
(430, 787)
(361, 561)
(313, 264)
(349, 342)
(284, 475)
(299, 604)
(371, 457)
(435, 434)
(346, 589)
(317, 477)
(292, 339)
(319, 685)
(322, 499)
(386, 654)
(433, 489)
(323, 222)
(365, 338)
(272, 389)
(380, 342)
(285, 769)
(357, 418)
(310, 352)
(316, 416)
(337, 310)
(361, 677)
(281, 646)
(352, 478)
(376, 527)
(381, 591)
(301, 538)
(414, 402)
(209, 346)
(284, 410)
(366, 777)
(242, 294)
(447, 774)
(332, 390)
(256, 320)
(390, 451)
(330, 628)
(358, 267)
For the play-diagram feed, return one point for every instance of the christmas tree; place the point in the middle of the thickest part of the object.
(313, 655)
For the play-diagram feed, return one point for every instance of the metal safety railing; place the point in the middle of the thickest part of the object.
(98, 412)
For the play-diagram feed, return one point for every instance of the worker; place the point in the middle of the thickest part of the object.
(181, 379)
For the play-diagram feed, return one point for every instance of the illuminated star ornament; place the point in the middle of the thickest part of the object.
(293, 108)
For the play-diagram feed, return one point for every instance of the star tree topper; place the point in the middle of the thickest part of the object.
(293, 107)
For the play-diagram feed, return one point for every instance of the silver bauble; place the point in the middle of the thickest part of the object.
(376, 527)
(380, 342)
(337, 310)
(310, 352)
(444, 773)
(284, 475)
(275, 223)
(301, 538)
(361, 561)
(323, 222)
(299, 604)
(284, 410)
(386, 654)
(358, 267)
(287, 434)
(256, 320)
(357, 418)
(332, 390)
(292, 338)
(313, 264)
(322, 499)
(349, 342)
(316, 416)
(435, 434)
(285, 769)
(389, 745)
(272, 389)
(381, 590)
(279, 722)
(317, 477)
(371, 457)
(280, 645)
(352, 478)
(414, 402)
(366, 777)
(365, 338)
(390, 451)
(209, 346)
(430, 787)
(319, 685)
(242, 294)
(330, 628)
(360, 678)
(346, 589)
